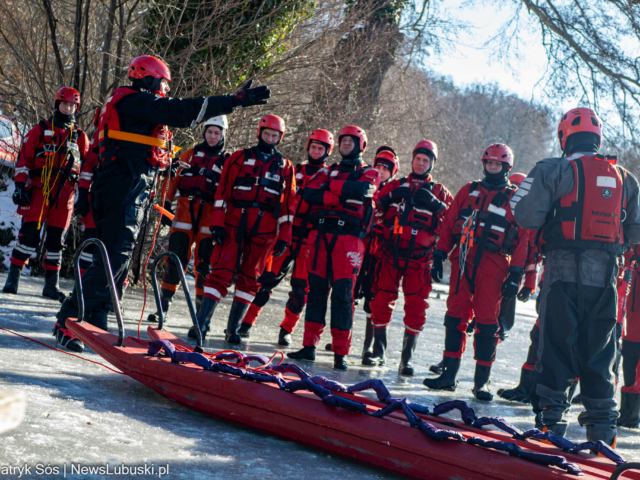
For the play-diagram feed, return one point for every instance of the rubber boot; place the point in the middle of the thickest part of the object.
(629, 410)
(233, 323)
(521, 392)
(205, 312)
(66, 339)
(51, 288)
(245, 330)
(481, 383)
(166, 297)
(284, 338)
(13, 279)
(409, 343)
(98, 318)
(437, 368)
(339, 363)
(446, 381)
(198, 302)
(606, 433)
(379, 347)
(368, 339)
(328, 347)
(307, 353)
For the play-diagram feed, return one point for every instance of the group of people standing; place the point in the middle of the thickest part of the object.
(348, 230)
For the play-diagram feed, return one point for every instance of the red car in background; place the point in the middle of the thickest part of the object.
(10, 140)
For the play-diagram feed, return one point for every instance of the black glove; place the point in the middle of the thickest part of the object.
(166, 221)
(20, 195)
(218, 235)
(279, 248)
(437, 269)
(512, 283)
(248, 97)
(524, 294)
(355, 190)
(400, 193)
(82, 207)
(423, 198)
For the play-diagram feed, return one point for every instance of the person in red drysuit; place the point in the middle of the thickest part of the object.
(252, 216)
(386, 163)
(48, 166)
(319, 147)
(630, 391)
(413, 208)
(197, 186)
(487, 263)
(341, 197)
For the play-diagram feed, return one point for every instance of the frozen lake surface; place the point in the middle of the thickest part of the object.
(79, 413)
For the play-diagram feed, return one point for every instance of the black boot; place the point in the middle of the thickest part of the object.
(13, 279)
(245, 329)
(379, 346)
(284, 338)
(51, 289)
(339, 363)
(368, 339)
(205, 312)
(166, 297)
(446, 381)
(409, 343)
(437, 368)
(606, 433)
(236, 315)
(66, 339)
(629, 410)
(481, 383)
(307, 353)
(521, 392)
(328, 347)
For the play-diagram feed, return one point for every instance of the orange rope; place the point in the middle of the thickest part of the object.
(61, 351)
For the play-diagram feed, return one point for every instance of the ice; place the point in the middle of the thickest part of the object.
(82, 413)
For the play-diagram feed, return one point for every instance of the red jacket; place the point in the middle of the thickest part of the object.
(476, 196)
(90, 164)
(40, 142)
(405, 218)
(239, 190)
(304, 172)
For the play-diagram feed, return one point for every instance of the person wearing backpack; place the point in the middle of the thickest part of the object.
(587, 207)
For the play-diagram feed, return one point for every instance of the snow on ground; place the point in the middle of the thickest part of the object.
(81, 413)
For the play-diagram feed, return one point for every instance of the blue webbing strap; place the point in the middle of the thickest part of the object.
(324, 388)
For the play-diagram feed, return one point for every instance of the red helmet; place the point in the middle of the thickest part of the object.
(578, 120)
(499, 152)
(68, 94)
(322, 136)
(146, 65)
(517, 178)
(427, 145)
(355, 132)
(273, 122)
(389, 160)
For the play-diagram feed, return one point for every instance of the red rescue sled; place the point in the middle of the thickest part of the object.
(388, 443)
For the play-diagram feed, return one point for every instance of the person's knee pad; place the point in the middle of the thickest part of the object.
(486, 341)
(297, 295)
(318, 287)
(29, 235)
(455, 339)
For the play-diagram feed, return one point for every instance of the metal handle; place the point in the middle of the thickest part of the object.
(112, 285)
(185, 289)
(623, 468)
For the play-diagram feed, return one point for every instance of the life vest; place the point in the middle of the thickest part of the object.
(483, 222)
(591, 216)
(259, 184)
(111, 136)
(202, 179)
(351, 217)
(62, 145)
(403, 221)
(302, 217)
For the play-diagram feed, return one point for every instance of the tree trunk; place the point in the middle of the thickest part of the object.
(106, 51)
(51, 19)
